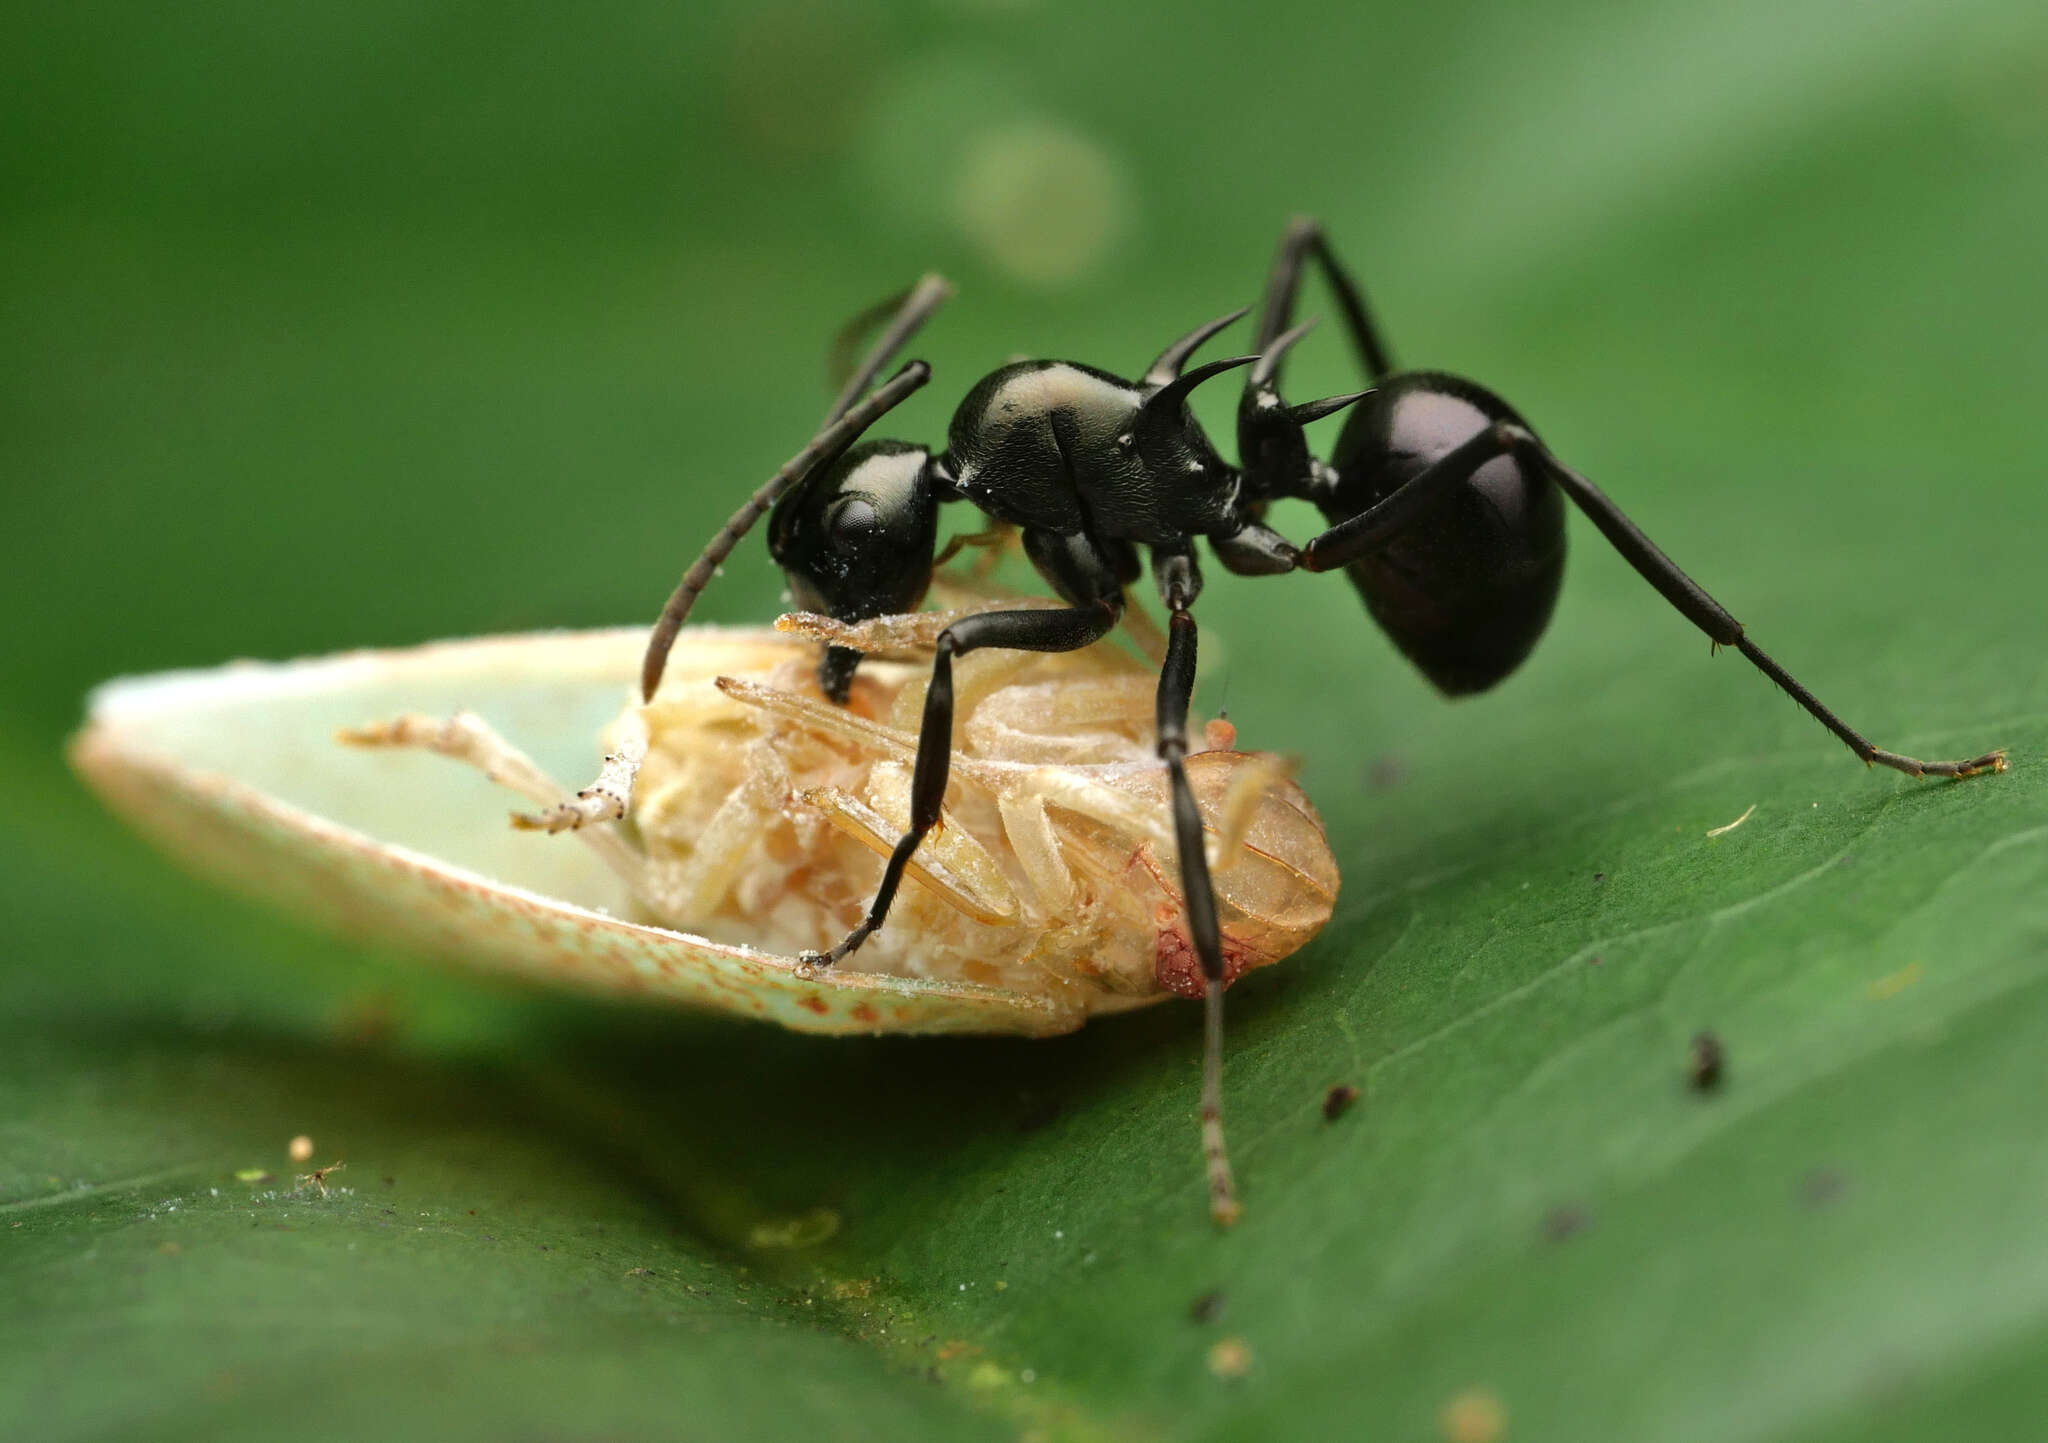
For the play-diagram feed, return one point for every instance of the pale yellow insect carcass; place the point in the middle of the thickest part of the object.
(754, 829)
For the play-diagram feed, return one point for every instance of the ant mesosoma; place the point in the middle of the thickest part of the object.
(1445, 510)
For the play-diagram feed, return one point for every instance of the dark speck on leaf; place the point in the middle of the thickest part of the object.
(1599, 876)
(1337, 1100)
(1822, 1186)
(1386, 773)
(1207, 1308)
(1707, 1064)
(1563, 1223)
(1593, 961)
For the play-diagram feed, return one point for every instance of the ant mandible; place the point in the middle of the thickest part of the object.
(1445, 510)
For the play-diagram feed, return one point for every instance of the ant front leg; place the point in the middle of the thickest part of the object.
(1179, 583)
(1065, 629)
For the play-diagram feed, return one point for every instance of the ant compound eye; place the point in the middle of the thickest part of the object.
(854, 519)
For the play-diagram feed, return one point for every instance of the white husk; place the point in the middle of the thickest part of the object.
(237, 773)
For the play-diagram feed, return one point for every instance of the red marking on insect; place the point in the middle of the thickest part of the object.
(1179, 970)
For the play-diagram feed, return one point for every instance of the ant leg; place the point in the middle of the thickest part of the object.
(989, 541)
(1372, 528)
(1179, 582)
(1304, 239)
(1693, 603)
(1067, 629)
(955, 868)
(1255, 549)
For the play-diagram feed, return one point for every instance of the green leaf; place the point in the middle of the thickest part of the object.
(364, 328)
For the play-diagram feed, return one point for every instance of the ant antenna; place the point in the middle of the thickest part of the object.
(911, 309)
(828, 443)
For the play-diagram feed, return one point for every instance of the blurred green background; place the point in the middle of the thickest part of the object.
(335, 325)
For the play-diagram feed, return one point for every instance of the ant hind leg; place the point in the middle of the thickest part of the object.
(1305, 241)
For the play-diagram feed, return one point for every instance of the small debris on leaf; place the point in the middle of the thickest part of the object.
(1822, 1186)
(1706, 1062)
(1230, 1359)
(1723, 831)
(1561, 1224)
(803, 1231)
(1476, 1415)
(1337, 1100)
(1386, 773)
(1208, 1308)
(1894, 983)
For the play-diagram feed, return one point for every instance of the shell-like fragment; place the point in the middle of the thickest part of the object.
(758, 815)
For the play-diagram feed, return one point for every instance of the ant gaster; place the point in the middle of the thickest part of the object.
(1445, 510)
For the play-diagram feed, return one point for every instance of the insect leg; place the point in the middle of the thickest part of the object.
(1693, 603)
(469, 738)
(909, 636)
(1304, 239)
(1178, 584)
(1067, 629)
(1036, 846)
(989, 541)
(607, 798)
(1372, 528)
(953, 866)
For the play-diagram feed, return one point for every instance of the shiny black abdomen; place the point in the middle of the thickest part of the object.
(1466, 590)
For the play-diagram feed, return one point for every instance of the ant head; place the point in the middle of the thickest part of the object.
(1272, 442)
(856, 537)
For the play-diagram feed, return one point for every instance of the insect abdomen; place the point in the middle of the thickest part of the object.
(1465, 590)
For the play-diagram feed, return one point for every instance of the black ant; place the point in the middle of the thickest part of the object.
(1445, 510)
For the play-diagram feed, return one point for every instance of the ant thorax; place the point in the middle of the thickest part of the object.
(764, 814)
